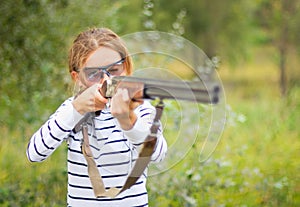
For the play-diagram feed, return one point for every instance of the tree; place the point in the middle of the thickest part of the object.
(222, 28)
(30, 45)
(35, 36)
(279, 19)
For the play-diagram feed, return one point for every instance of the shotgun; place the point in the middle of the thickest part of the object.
(139, 89)
(146, 88)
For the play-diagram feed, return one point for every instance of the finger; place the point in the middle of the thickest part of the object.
(125, 95)
(100, 99)
(98, 95)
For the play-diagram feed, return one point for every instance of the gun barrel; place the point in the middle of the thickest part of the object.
(195, 91)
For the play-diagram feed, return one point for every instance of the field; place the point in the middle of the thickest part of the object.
(256, 162)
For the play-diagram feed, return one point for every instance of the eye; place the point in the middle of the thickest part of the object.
(92, 74)
(113, 70)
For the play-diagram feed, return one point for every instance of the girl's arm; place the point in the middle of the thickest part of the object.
(145, 114)
(52, 133)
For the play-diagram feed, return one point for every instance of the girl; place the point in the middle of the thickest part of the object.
(115, 136)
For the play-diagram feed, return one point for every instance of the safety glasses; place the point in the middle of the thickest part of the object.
(95, 74)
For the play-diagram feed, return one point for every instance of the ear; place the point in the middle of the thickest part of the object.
(74, 75)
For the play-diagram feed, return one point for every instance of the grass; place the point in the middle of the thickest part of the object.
(30, 184)
(256, 163)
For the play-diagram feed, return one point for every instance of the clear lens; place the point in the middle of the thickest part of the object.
(116, 69)
(91, 75)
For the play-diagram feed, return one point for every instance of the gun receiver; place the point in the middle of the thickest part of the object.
(145, 88)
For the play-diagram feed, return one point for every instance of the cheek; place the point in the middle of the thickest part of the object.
(82, 83)
(124, 73)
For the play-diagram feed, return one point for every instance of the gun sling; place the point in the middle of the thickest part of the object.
(138, 169)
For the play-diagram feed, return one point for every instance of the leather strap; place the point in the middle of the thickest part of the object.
(139, 167)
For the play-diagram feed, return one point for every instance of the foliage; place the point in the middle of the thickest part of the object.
(219, 27)
(29, 44)
(33, 53)
(279, 20)
(24, 184)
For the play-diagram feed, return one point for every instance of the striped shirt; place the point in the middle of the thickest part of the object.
(115, 152)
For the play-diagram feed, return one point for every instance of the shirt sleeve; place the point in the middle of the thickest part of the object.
(52, 133)
(141, 129)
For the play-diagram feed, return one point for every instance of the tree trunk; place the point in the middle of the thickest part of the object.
(283, 45)
(282, 67)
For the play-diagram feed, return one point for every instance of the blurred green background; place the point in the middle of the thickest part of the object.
(257, 42)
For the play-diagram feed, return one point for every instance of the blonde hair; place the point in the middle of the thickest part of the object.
(89, 41)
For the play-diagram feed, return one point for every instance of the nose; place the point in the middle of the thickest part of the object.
(105, 77)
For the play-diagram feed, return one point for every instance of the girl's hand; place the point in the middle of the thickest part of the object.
(122, 108)
(90, 100)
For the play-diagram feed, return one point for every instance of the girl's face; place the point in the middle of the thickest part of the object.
(101, 64)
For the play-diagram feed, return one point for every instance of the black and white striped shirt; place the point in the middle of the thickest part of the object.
(114, 151)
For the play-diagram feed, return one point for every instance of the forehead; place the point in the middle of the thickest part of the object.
(102, 56)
